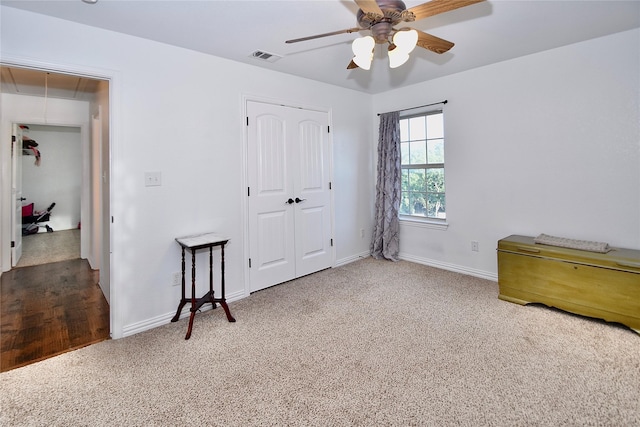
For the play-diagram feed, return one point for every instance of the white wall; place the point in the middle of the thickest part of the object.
(547, 143)
(180, 112)
(58, 178)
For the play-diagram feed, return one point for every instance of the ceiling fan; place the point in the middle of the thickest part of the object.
(380, 16)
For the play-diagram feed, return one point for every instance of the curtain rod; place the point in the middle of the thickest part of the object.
(420, 106)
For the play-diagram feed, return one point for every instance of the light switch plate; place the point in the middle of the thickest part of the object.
(152, 179)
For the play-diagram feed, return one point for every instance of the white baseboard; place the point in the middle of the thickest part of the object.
(352, 258)
(451, 267)
(154, 322)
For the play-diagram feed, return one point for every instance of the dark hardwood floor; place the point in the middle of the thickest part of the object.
(49, 309)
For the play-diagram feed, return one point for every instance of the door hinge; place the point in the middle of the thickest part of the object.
(329, 185)
(247, 120)
(13, 138)
(331, 242)
(111, 220)
(249, 262)
(13, 244)
(328, 129)
(248, 191)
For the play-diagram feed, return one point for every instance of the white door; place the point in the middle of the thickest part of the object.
(16, 194)
(289, 193)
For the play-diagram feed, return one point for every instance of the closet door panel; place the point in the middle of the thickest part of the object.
(313, 212)
(271, 218)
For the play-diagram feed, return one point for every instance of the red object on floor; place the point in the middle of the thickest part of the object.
(27, 210)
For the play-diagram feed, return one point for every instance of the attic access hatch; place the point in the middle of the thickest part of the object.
(265, 56)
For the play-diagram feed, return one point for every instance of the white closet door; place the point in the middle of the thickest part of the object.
(271, 223)
(289, 195)
(311, 185)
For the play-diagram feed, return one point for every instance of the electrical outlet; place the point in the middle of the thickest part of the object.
(475, 246)
(177, 279)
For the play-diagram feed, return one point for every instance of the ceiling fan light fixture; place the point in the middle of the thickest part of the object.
(363, 50)
(380, 17)
(403, 43)
(406, 40)
(363, 62)
(397, 57)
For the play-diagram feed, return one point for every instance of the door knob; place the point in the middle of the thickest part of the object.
(298, 200)
(288, 202)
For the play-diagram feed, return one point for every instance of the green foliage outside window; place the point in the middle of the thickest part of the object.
(422, 151)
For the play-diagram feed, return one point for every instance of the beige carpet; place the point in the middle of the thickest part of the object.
(372, 343)
(43, 248)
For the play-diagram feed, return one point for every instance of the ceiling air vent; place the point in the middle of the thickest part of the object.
(265, 56)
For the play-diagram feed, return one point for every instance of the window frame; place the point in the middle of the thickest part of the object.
(418, 220)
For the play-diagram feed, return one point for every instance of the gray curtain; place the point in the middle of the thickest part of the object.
(386, 241)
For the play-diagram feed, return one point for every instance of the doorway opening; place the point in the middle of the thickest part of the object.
(51, 189)
(72, 133)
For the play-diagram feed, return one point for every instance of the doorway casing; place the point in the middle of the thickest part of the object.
(108, 149)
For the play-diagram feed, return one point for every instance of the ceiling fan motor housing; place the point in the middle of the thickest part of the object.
(382, 26)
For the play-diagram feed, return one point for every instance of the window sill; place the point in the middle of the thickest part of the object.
(424, 223)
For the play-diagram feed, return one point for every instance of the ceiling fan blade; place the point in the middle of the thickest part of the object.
(317, 36)
(352, 65)
(369, 6)
(436, 7)
(433, 43)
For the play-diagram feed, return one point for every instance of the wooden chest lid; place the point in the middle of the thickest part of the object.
(616, 258)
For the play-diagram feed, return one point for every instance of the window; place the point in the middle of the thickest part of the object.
(422, 151)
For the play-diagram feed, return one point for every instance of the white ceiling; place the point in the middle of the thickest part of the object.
(484, 33)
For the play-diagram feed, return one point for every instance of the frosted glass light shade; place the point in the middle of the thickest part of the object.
(397, 57)
(363, 50)
(363, 46)
(405, 40)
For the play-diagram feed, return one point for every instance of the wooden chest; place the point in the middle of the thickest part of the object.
(604, 286)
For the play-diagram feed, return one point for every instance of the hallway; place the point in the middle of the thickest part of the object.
(50, 309)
